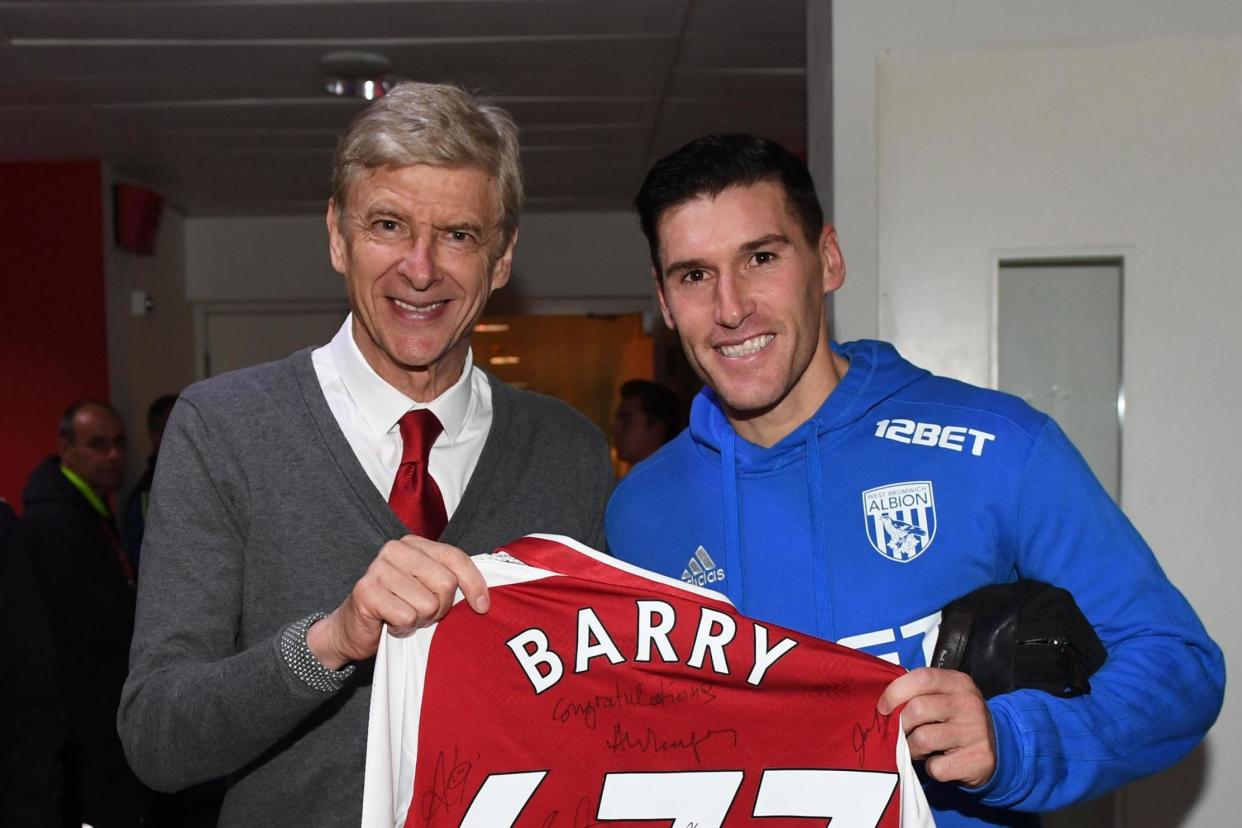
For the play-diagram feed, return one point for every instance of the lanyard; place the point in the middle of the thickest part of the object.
(97, 503)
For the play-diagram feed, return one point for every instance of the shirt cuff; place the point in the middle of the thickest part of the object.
(1007, 756)
(299, 658)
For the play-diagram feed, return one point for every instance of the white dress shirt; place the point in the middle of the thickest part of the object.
(368, 409)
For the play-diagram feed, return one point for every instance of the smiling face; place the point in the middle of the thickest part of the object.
(419, 249)
(744, 290)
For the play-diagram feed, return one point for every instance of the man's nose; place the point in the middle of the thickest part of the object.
(418, 264)
(733, 304)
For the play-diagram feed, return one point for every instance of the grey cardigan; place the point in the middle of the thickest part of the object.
(261, 515)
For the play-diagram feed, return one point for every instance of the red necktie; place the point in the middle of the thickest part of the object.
(415, 497)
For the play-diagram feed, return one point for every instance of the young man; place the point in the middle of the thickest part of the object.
(841, 491)
(297, 505)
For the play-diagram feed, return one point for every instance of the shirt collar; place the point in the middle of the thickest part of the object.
(381, 404)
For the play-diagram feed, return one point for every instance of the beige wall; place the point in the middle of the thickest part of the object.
(153, 354)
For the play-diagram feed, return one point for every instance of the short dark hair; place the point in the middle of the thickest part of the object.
(658, 403)
(64, 428)
(709, 165)
(157, 413)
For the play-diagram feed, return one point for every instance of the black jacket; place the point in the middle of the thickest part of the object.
(90, 605)
(32, 708)
(89, 599)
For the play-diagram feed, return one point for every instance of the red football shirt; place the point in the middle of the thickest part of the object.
(593, 691)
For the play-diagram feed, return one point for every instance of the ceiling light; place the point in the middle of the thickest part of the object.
(368, 90)
(505, 360)
(491, 327)
(355, 74)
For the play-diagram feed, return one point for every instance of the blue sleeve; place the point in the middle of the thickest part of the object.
(618, 530)
(1163, 683)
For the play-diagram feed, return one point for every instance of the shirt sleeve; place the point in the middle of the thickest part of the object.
(195, 706)
(1163, 682)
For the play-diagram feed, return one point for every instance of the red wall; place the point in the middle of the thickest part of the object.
(53, 328)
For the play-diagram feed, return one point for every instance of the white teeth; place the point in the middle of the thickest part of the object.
(750, 346)
(417, 308)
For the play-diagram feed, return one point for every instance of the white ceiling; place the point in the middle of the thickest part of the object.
(217, 104)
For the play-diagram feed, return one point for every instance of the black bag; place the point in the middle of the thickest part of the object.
(1025, 634)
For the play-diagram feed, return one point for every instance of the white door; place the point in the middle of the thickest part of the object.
(1058, 331)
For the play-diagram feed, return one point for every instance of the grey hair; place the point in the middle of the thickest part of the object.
(436, 124)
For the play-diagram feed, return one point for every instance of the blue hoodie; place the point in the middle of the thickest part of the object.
(901, 493)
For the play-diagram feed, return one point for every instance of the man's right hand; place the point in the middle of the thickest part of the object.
(410, 584)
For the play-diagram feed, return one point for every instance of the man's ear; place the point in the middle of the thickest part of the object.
(833, 261)
(668, 317)
(338, 247)
(503, 267)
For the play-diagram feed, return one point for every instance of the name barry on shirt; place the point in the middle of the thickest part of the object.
(651, 627)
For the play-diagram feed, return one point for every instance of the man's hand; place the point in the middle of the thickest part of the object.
(410, 584)
(947, 721)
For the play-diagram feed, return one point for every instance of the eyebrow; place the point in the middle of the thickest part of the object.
(745, 247)
(764, 241)
(373, 213)
(464, 224)
(384, 211)
(684, 264)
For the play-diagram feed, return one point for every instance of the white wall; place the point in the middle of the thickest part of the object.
(285, 258)
(966, 131)
(259, 258)
(589, 255)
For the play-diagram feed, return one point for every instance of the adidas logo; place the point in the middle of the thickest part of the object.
(702, 570)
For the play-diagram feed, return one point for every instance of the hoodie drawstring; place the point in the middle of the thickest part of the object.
(819, 538)
(732, 520)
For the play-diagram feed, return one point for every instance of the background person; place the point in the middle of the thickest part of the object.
(648, 416)
(32, 710)
(135, 516)
(87, 585)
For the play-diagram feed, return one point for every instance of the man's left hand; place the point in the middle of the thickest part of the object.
(947, 722)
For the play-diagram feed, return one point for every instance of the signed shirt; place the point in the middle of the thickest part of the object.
(593, 690)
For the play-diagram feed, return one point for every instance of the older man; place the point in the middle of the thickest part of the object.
(297, 505)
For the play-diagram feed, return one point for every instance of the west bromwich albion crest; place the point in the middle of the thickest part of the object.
(901, 519)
